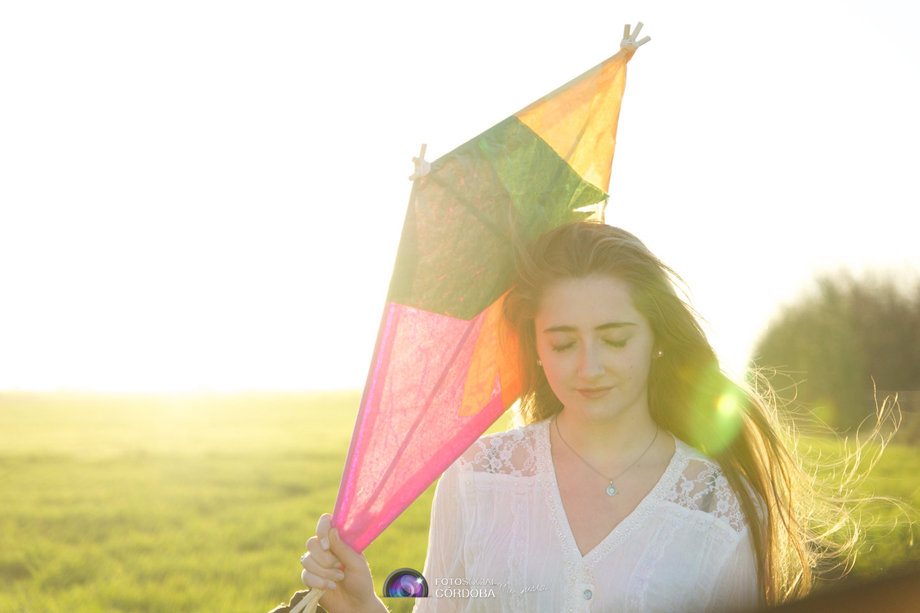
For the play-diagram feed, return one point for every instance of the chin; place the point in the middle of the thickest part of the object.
(594, 411)
(600, 410)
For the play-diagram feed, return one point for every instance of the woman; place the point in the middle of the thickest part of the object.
(642, 478)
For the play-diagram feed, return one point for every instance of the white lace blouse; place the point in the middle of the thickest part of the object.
(500, 539)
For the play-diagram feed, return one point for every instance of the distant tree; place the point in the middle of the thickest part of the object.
(832, 343)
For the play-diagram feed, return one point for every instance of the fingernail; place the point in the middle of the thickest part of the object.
(324, 543)
(331, 585)
(340, 576)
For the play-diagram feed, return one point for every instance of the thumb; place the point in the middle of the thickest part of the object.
(351, 558)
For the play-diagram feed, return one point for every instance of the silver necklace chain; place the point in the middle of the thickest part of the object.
(611, 488)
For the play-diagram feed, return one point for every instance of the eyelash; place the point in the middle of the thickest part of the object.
(617, 344)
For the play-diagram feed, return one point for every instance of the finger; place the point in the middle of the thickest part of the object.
(326, 559)
(310, 565)
(626, 31)
(322, 529)
(315, 582)
(643, 41)
(323, 559)
(638, 29)
(352, 559)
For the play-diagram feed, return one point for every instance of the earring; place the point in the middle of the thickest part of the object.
(660, 353)
(539, 363)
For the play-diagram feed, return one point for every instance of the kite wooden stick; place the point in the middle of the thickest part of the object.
(309, 602)
(422, 166)
(630, 40)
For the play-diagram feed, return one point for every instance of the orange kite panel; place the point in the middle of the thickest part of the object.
(579, 120)
(495, 355)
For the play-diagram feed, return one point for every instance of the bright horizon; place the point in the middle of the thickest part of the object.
(202, 196)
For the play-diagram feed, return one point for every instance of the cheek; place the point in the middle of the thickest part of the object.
(557, 369)
(554, 367)
(637, 364)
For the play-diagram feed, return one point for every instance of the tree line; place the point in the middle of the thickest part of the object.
(829, 346)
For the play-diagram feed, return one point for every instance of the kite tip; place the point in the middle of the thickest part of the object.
(629, 39)
(422, 166)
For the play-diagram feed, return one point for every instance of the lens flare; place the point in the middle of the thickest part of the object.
(716, 419)
(726, 405)
(727, 421)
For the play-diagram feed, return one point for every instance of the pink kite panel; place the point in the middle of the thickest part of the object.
(410, 426)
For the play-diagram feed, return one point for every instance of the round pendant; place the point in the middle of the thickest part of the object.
(611, 490)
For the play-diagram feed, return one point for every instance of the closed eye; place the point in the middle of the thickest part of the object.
(616, 343)
(563, 347)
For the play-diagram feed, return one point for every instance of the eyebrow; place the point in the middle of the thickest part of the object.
(618, 324)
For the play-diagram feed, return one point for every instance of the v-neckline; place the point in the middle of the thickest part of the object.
(622, 530)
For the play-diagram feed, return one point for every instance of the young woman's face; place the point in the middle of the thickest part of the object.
(596, 348)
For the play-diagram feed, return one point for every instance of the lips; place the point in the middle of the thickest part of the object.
(594, 392)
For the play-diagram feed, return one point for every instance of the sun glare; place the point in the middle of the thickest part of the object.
(185, 208)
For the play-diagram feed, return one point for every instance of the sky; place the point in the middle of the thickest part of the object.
(209, 195)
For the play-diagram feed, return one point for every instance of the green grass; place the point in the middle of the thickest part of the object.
(169, 503)
(889, 517)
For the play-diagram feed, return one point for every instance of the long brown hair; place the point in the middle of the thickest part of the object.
(689, 395)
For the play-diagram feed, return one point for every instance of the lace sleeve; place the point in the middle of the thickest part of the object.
(509, 453)
(445, 543)
(703, 487)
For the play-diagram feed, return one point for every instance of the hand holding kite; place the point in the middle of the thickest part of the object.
(331, 565)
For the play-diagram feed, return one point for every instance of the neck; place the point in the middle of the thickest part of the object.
(610, 442)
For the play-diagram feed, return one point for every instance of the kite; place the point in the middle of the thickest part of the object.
(444, 366)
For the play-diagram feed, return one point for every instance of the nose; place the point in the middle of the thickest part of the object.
(591, 366)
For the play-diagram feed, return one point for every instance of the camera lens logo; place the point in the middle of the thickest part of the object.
(405, 583)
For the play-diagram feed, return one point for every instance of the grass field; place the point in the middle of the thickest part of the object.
(169, 503)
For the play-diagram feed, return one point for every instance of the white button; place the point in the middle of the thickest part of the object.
(588, 594)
